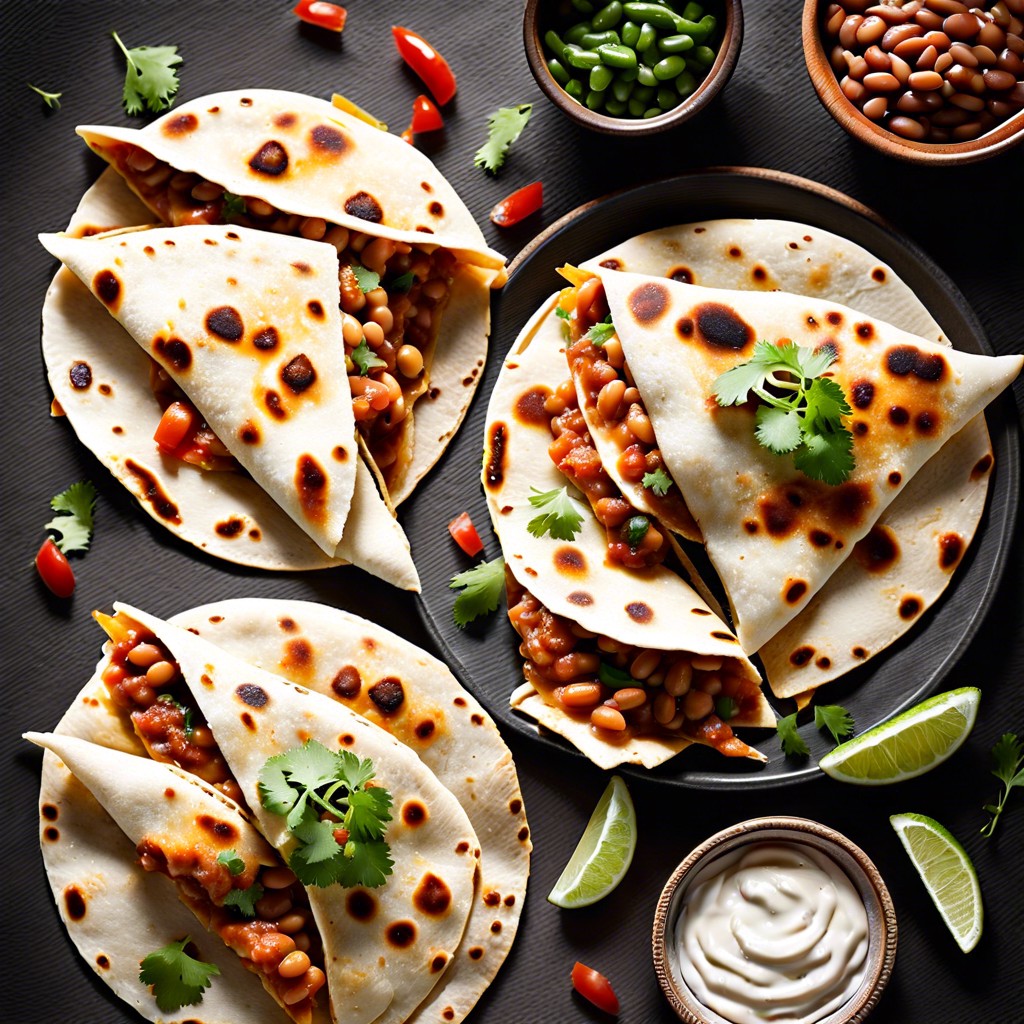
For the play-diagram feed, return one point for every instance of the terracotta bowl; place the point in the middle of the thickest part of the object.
(858, 867)
(1006, 134)
(540, 15)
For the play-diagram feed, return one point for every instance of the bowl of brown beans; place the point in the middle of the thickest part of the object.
(928, 81)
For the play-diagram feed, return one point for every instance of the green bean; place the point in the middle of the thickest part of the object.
(609, 16)
(630, 33)
(647, 38)
(577, 32)
(635, 107)
(592, 40)
(574, 87)
(629, 74)
(675, 44)
(614, 107)
(654, 14)
(600, 78)
(644, 93)
(594, 99)
(685, 83)
(653, 112)
(693, 12)
(650, 56)
(667, 98)
(617, 56)
(558, 71)
(583, 6)
(580, 58)
(670, 67)
(703, 56)
(646, 76)
(553, 42)
(698, 30)
(621, 89)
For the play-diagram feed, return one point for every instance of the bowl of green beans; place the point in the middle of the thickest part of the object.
(632, 67)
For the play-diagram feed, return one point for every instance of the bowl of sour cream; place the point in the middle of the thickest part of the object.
(775, 919)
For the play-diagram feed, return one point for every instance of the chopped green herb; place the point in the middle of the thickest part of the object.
(600, 332)
(617, 677)
(1008, 754)
(560, 514)
(52, 98)
(187, 725)
(177, 979)
(365, 360)
(234, 206)
(366, 279)
(659, 481)
(245, 900)
(231, 860)
(74, 521)
(482, 585)
(348, 846)
(635, 529)
(562, 313)
(503, 128)
(806, 419)
(726, 708)
(835, 718)
(151, 79)
(792, 742)
(403, 282)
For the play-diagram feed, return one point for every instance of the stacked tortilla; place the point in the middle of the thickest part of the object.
(325, 322)
(120, 794)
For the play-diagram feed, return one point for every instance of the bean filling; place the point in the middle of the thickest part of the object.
(625, 691)
(393, 324)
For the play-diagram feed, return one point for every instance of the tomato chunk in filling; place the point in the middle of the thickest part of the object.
(622, 690)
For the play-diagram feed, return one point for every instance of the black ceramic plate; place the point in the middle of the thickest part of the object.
(485, 655)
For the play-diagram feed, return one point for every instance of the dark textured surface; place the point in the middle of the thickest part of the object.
(968, 220)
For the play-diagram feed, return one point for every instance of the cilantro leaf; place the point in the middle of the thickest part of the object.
(276, 795)
(801, 412)
(617, 677)
(369, 865)
(234, 206)
(366, 279)
(368, 814)
(634, 530)
(659, 481)
(481, 590)
(560, 514)
(1008, 754)
(599, 333)
(562, 313)
(504, 126)
(52, 98)
(792, 742)
(75, 528)
(365, 360)
(150, 79)
(245, 900)
(403, 282)
(231, 860)
(835, 718)
(318, 841)
(177, 979)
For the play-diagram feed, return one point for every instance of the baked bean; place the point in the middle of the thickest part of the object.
(962, 26)
(848, 30)
(900, 68)
(964, 54)
(640, 425)
(900, 33)
(274, 904)
(999, 81)
(295, 994)
(294, 964)
(377, 253)
(889, 14)
(710, 684)
(612, 512)
(383, 316)
(644, 664)
(927, 58)
(206, 191)
(202, 736)
(351, 330)
(291, 923)
(871, 30)
(142, 161)
(907, 127)
(579, 695)
(630, 697)
(410, 363)
(357, 242)
(315, 980)
(160, 673)
(608, 718)
(967, 102)
(881, 81)
(576, 663)
(706, 663)
(337, 236)
(397, 412)
(679, 677)
(928, 19)
(971, 130)
(992, 35)
(610, 397)
(374, 334)
(303, 942)
(858, 67)
(258, 207)
(834, 19)
(911, 49)
(664, 708)
(837, 58)
(697, 705)
(145, 655)
(278, 877)
(313, 227)
(925, 80)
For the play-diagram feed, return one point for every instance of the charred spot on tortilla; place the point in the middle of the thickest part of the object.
(926, 366)
(491, 899)
(862, 392)
(475, 952)
(498, 439)
(288, 624)
(285, 120)
(820, 538)
(750, 525)
(779, 516)
(438, 963)
(221, 830)
(432, 896)
(328, 140)
(648, 302)
(401, 934)
(302, 267)
(898, 416)
(361, 905)
(951, 548)
(759, 273)
(346, 740)
(414, 813)
(103, 962)
(252, 694)
(51, 833)
(106, 287)
(298, 375)
(611, 263)
(316, 309)
(684, 275)
(795, 591)
(878, 274)
(74, 902)
(105, 389)
(173, 351)
(340, 453)
(859, 653)
(640, 611)
(229, 529)
(249, 433)
(570, 560)
(459, 702)
(183, 124)
(910, 606)
(365, 207)
(80, 376)
(529, 408)
(149, 250)
(50, 812)
(388, 694)
(476, 719)
(266, 340)
(824, 662)
(226, 323)
(311, 484)
(734, 252)
(926, 422)
(828, 347)
(719, 634)
(153, 493)
(834, 318)
(298, 656)
(347, 682)
(580, 598)
(272, 400)
(811, 322)
(523, 834)
(510, 900)
(801, 656)
(719, 327)
(982, 466)
(860, 428)
(436, 209)
(865, 331)
(425, 729)
(463, 848)
(878, 550)
(448, 1013)
(270, 159)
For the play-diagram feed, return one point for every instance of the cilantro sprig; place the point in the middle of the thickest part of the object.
(600, 332)
(366, 279)
(560, 514)
(234, 206)
(504, 126)
(231, 860)
(337, 818)
(364, 358)
(481, 590)
(150, 80)
(1008, 754)
(245, 900)
(801, 414)
(659, 481)
(52, 98)
(177, 979)
(833, 717)
(792, 742)
(74, 521)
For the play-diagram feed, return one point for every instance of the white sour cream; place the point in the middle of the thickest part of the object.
(773, 932)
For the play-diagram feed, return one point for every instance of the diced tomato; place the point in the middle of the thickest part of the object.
(464, 534)
(426, 62)
(177, 423)
(425, 116)
(512, 209)
(594, 987)
(55, 570)
(323, 15)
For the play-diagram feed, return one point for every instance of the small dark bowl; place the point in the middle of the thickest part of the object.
(540, 15)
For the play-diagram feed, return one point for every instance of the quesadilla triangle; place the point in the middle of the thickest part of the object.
(414, 267)
(189, 832)
(415, 697)
(385, 946)
(774, 535)
(593, 628)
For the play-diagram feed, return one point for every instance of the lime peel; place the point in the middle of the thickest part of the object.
(947, 873)
(604, 852)
(908, 745)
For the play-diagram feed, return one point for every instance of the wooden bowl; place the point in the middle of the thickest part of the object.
(540, 15)
(1006, 134)
(881, 953)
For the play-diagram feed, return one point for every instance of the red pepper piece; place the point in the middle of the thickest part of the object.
(426, 62)
(512, 209)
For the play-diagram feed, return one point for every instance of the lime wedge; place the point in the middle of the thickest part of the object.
(603, 854)
(909, 744)
(947, 873)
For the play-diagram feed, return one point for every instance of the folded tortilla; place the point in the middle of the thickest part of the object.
(774, 535)
(650, 609)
